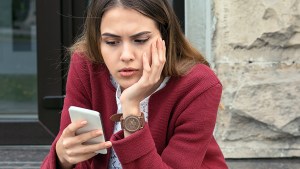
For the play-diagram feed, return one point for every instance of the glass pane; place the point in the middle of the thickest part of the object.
(18, 60)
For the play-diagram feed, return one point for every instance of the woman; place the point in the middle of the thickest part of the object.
(133, 59)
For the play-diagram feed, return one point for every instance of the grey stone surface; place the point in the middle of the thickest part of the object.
(257, 58)
(286, 163)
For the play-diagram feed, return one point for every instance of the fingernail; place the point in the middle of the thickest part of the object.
(108, 144)
(99, 132)
(84, 122)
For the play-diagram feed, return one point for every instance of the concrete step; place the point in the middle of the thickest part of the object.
(31, 157)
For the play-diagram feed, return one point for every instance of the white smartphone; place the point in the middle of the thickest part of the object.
(93, 119)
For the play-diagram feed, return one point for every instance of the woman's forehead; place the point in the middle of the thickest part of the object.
(119, 19)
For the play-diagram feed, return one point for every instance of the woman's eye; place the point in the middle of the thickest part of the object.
(112, 43)
(141, 41)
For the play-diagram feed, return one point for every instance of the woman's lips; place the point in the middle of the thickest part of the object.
(127, 72)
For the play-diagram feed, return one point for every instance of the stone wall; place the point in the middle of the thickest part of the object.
(256, 48)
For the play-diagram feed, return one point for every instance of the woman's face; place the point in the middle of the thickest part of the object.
(125, 35)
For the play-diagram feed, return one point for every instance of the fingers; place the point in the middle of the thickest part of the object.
(152, 73)
(70, 148)
(161, 47)
(80, 139)
(146, 66)
(70, 140)
(158, 59)
(84, 152)
(161, 50)
(164, 52)
(88, 149)
(88, 135)
(73, 127)
(158, 53)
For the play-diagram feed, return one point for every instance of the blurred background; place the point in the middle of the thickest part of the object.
(253, 47)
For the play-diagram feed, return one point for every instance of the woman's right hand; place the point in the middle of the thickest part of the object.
(70, 148)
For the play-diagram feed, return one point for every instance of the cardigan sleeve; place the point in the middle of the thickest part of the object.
(75, 95)
(193, 134)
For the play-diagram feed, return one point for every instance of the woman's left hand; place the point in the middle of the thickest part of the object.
(148, 83)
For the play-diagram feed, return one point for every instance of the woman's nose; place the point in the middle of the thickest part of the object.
(127, 53)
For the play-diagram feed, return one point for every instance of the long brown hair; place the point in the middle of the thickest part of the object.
(181, 55)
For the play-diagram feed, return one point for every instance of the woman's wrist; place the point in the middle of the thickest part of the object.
(133, 110)
(130, 108)
(61, 162)
(64, 165)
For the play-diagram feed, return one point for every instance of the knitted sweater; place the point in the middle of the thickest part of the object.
(179, 131)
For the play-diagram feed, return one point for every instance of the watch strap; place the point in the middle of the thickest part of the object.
(116, 117)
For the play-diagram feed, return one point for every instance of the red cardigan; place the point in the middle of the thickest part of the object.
(179, 132)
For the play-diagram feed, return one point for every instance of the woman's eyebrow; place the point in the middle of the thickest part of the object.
(140, 34)
(132, 36)
(110, 35)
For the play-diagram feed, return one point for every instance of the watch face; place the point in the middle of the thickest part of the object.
(132, 124)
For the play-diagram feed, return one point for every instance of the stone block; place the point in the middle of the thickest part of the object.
(257, 58)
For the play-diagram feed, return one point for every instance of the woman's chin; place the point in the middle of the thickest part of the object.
(126, 85)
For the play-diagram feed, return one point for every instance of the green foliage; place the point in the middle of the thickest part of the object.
(18, 88)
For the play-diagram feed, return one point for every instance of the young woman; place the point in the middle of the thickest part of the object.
(134, 65)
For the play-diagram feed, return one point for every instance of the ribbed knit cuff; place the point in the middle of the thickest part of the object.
(134, 146)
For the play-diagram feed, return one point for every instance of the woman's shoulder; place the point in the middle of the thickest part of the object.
(201, 70)
(201, 73)
(200, 77)
(79, 60)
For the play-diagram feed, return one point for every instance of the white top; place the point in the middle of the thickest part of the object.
(114, 162)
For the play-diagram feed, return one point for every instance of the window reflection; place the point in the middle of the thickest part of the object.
(23, 19)
(18, 69)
